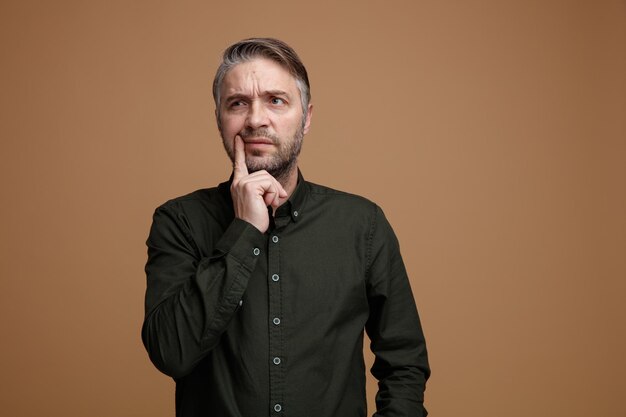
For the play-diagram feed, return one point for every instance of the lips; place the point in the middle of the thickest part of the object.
(258, 141)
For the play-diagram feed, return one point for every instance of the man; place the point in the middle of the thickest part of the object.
(259, 289)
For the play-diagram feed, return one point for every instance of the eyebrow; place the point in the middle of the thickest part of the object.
(276, 93)
(233, 97)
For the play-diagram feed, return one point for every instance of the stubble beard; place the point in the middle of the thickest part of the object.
(279, 165)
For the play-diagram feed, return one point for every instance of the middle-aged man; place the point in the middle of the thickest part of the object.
(259, 289)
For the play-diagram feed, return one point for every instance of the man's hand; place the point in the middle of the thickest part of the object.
(252, 193)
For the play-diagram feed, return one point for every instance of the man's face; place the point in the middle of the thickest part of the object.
(260, 101)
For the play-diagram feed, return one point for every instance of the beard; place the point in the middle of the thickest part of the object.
(279, 164)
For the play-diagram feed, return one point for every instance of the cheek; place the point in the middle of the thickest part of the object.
(230, 126)
(229, 147)
(294, 124)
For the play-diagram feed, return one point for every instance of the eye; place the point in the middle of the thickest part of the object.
(277, 101)
(237, 103)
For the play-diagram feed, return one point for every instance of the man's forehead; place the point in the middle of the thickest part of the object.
(259, 74)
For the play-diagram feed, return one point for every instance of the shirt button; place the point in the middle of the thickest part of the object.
(275, 239)
(276, 361)
(275, 277)
(256, 251)
(240, 303)
(295, 213)
(276, 321)
(277, 408)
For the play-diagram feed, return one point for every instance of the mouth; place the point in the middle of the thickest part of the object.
(258, 141)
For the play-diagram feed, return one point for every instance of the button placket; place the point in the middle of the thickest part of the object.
(275, 351)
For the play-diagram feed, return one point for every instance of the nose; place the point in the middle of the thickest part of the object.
(257, 115)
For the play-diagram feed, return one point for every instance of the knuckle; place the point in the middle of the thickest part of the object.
(246, 186)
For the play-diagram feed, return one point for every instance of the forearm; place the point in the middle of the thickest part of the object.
(191, 300)
(184, 327)
(401, 390)
(401, 365)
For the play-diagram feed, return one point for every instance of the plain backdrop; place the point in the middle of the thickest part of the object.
(492, 133)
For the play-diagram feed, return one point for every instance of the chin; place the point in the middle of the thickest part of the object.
(256, 163)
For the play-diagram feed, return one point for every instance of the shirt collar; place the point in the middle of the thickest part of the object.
(295, 203)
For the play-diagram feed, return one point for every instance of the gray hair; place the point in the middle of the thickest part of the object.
(273, 49)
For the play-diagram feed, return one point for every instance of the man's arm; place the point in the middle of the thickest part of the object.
(401, 363)
(190, 300)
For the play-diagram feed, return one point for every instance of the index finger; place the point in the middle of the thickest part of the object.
(239, 166)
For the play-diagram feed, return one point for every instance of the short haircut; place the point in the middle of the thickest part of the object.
(269, 48)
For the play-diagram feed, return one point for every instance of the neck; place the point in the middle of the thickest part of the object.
(289, 181)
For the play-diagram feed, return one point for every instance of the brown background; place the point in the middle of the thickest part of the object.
(492, 133)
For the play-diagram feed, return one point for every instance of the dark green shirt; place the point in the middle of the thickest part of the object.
(251, 324)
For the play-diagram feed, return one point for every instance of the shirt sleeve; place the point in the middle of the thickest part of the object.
(397, 341)
(191, 299)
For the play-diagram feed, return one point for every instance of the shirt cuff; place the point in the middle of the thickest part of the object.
(242, 241)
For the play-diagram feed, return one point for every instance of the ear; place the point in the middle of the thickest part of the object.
(307, 121)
